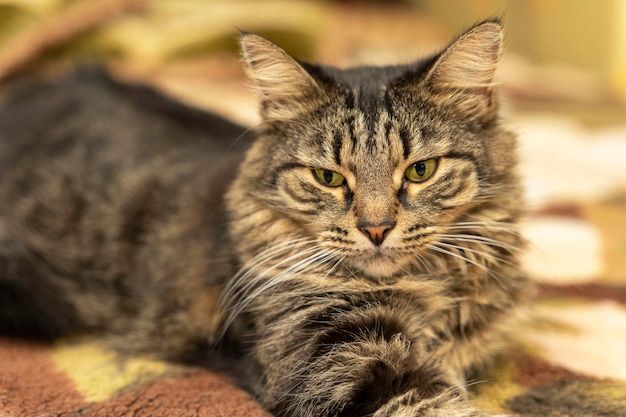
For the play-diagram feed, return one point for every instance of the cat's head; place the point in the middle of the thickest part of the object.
(375, 163)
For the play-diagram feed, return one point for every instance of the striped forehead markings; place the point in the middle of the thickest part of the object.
(405, 139)
(337, 145)
(387, 104)
(366, 105)
(373, 111)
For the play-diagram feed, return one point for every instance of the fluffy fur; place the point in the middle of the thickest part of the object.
(126, 213)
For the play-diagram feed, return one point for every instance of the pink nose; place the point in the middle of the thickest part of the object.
(378, 233)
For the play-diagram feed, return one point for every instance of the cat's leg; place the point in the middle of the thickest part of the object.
(345, 356)
(446, 404)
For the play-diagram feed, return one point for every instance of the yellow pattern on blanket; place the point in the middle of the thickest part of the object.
(100, 373)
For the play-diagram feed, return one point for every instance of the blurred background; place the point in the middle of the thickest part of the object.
(563, 84)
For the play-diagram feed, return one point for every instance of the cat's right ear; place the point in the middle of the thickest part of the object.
(284, 84)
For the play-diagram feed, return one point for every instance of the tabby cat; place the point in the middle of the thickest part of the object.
(359, 250)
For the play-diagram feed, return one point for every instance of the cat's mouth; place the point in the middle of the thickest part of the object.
(380, 263)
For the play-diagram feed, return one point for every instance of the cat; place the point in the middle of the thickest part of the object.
(358, 249)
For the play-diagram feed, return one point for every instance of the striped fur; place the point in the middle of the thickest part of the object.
(341, 326)
(121, 212)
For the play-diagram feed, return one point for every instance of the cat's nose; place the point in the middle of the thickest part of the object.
(376, 233)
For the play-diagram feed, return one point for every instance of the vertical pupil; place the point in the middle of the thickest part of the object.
(328, 176)
(420, 168)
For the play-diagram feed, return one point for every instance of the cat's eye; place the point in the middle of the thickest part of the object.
(421, 171)
(329, 178)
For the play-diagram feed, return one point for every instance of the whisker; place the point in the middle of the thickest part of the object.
(262, 283)
(485, 255)
(490, 225)
(465, 259)
(422, 260)
(458, 256)
(258, 261)
(248, 285)
(479, 239)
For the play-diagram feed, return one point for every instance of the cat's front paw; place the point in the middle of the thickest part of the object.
(446, 404)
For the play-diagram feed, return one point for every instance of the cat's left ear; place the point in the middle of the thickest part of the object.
(285, 85)
(465, 70)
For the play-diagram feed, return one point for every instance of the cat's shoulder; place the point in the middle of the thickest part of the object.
(93, 87)
(83, 81)
(90, 93)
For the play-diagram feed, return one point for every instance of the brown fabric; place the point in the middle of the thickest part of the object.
(31, 385)
(590, 291)
(533, 371)
(571, 398)
(202, 394)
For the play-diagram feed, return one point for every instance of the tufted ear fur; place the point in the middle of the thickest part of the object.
(465, 70)
(284, 84)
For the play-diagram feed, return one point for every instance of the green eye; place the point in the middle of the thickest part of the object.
(421, 171)
(329, 178)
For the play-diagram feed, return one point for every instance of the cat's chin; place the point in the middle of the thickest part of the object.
(379, 265)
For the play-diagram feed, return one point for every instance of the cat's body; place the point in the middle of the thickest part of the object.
(363, 253)
(102, 182)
